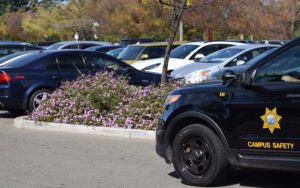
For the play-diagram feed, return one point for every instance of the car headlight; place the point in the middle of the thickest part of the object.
(171, 99)
(151, 67)
(197, 76)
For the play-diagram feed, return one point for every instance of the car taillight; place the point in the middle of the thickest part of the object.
(4, 78)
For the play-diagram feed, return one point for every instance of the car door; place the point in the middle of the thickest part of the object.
(52, 72)
(266, 116)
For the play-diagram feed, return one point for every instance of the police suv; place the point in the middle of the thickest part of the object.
(246, 121)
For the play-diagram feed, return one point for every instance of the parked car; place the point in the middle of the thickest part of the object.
(7, 48)
(103, 49)
(28, 79)
(235, 71)
(116, 52)
(277, 42)
(202, 70)
(77, 45)
(136, 52)
(183, 55)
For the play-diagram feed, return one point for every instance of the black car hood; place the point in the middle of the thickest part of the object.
(202, 87)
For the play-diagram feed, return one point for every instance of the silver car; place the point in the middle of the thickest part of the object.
(202, 70)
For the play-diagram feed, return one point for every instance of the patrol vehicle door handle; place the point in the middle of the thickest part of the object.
(293, 95)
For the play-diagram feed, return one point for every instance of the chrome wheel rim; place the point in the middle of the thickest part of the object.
(39, 98)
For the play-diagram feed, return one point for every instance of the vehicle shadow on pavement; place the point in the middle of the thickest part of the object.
(7, 115)
(258, 178)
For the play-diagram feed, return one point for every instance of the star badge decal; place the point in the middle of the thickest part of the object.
(271, 120)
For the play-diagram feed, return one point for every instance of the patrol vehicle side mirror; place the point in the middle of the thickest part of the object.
(228, 75)
(246, 79)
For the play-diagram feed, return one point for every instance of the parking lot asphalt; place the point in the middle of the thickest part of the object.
(31, 158)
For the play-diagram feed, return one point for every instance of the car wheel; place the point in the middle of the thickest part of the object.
(198, 155)
(37, 98)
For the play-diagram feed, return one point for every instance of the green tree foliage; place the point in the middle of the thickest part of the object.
(110, 20)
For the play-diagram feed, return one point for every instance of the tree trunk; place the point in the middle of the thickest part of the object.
(177, 12)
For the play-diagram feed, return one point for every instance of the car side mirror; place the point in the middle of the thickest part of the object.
(228, 75)
(246, 79)
(199, 56)
(240, 62)
(144, 56)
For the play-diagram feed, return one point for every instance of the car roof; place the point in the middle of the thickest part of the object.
(200, 43)
(252, 46)
(157, 43)
(81, 42)
(11, 43)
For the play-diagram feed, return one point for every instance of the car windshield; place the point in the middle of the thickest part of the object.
(115, 52)
(21, 60)
(54, 46)
(182, 51)
(130, 52)
(221, 55)
(260, 57)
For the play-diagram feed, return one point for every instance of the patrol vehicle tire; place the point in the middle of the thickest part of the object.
(199, 157)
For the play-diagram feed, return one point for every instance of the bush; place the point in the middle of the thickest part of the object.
(104, 100)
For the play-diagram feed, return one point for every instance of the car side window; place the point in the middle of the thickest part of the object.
(283, 68)
(84, 46)
(155, 51)
(245, 57)
(206, 50)
(72, 63)
(6, 50)
(28, 48)
(222, 46)
(95, 62)
(72, 46)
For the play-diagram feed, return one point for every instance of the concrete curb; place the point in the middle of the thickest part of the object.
(22, 123)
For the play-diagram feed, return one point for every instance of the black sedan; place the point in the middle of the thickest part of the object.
(27, 79)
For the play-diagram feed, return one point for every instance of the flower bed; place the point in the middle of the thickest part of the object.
(104, 100)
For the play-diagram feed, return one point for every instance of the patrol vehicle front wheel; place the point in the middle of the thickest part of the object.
(198, 155)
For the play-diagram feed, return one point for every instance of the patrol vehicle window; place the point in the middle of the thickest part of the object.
(283, 68)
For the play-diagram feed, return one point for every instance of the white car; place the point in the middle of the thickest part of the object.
(183, 55)
(204, 69)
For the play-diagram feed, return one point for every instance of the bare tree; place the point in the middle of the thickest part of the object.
(177, 8)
